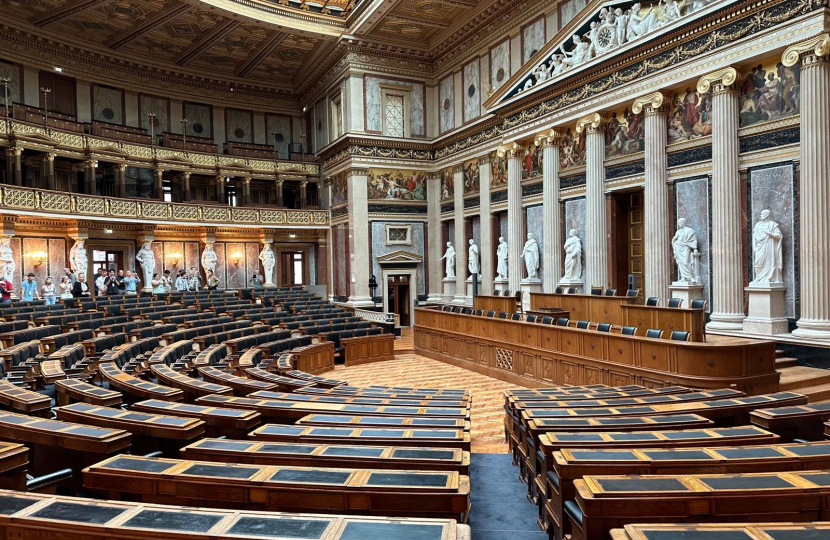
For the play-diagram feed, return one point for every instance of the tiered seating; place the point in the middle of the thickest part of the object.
(219, 422)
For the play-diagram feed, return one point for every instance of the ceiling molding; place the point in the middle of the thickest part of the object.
(260, 54)
(150, 24)
(206, 41)
(66, 11)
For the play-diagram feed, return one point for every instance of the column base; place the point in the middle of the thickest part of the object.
(462, 300)
(726, 321)
(360, 301)
(500, 284)
(813, 329)
(766, 310)
(435, 297)
(686, 292)
(269, 286)
(470, 287)
(449, 289)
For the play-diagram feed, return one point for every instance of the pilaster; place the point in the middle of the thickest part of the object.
(551, 229)
(435, 245)
(596, 248)
(359, 239)
(485, 225)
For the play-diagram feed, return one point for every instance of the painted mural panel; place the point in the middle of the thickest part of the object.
(446, 99)
(278, 133)
(532, 162)
(11, 72)
(199, 119)
(339, 189)
(690, 116)
(107, 105)
(472, 91)
(498, 175)
(572, 151)
(533, 38)
(447, 184)
(499, 64)
(625, 133)
(374, 105)
(239, 126)
(396, 185)
(158, 106)
(769, 93)
(692, 203)
(471, 177)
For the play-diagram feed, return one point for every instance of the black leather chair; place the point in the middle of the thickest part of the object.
(446, 308)
(653, 301)
(698, 304)
(629, 331)
(497, 292)
(632, 293)
(468, 311)
(547, 320)
(516, 317)
(675, 302)
(531, 318)
(571, 290)
(506, 292)
(680, 335)
(562, 321)
(490, 314)
(654, 333)
(583, 324)
(604, 327)
(596, 291)
(610, 292)
(502, 315)
(559, 290)
(479, 312)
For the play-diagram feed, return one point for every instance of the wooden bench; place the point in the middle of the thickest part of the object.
(311, 360)
(376, 393)
(51, 371)
(233, 423)
(192, 388)
(367, 349)
(795, 422)
(73, 391)
(283, 384)
(313, 455)
(135, 388)
(579, 393)
(25, 401)
(150, 432)
(715, 531)
(431, 422)
(14, 462)
(295, 396)
(241, 386)
(437, 438)
(573, 464)
(35, 516)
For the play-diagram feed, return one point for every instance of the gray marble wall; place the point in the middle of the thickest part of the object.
(692, 198)
(772, 188)
(374, 107)
(472, 91)
(239, 126)
(11, 72)
(450, 236)
(341, 278)
(477, 232)
(379, 248)
(503, 225)
(533, 38)
(575, 219)
(107, 105)
(446, 103)
(535, 225)
(199, 119)
(500, 64)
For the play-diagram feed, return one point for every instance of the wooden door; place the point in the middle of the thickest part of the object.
(397, 297)
(636, 263)
(292, 268)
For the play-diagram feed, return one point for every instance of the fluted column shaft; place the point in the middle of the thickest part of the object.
(596, 229)
(656, 214)
(727, 274)
(460, 241)
(514, 221)
(814, 198)
(435, 246)
(486, 225)
(359, 239)
(551, 233)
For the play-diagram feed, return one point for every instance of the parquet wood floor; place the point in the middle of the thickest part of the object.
(409, 369)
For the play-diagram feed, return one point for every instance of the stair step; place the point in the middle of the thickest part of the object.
(779, 353)
(785, 362)
(819, 392)
(797, 377)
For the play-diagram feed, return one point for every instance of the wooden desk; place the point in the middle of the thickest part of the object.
(531, 354)
(25, 401)
(234, 423)
(437, 438)
(666, 319)
(192, 388)
(798, 422)
(74, 390)
(314, 359)
(448, 403)
(589, 307)
(241, 386)
(429, 422)
(353, 391)
(284, 384)
(320, 383)
(747, 531)
(556, 313)
(14, 462)
(367, 349)
(496, 303)
(133, 387)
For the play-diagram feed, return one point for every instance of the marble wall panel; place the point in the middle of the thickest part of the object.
(772, 188)
(500, 64)
(192, 256)
(533, 38)
(477, 234)
(57, 258)
(199, 119)
(252, 262)
(221, 264)
(535, 225)
(236, 271)
(107, 104)
(158, 106)
(279, 126)
(472, 91)
(173, 251)
(31, 246)
(450, 234)
(379, 248)
(339, 263)
(312, 265)
(11, 72)
(320, 123)
(239, 126)
(417, 110)
(575, 219)
(446, 103)
(692, 203)
(158, 255)
(374, 104)
(568, 10)
(503, 225)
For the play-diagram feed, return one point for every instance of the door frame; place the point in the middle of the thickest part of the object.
(413, 287)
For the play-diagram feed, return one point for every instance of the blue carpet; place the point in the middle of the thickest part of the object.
(500, 509)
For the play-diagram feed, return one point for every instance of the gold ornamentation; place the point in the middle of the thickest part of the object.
(186, 212)
(592, 122)
(513, 149)
(244, 215)
(651, 103)
(123, 208)
(55, 202)
(548, 138)
(89, 205)
(504, 359)
(725, 77)
(19, 198)
(154, 210)
(819, 45)
(210, 213)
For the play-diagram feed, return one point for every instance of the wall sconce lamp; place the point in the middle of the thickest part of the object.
(174, 258)
(237, 258)
(37, 258)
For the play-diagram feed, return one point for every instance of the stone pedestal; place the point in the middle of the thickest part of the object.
(500, 284)
(686, 291)
(766, 309)
(449, 289)
(530, 285)
(568, 283)
(470, 287)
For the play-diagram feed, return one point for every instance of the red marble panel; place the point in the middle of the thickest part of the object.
(160, 262)
(57, 258)
(252, 250)
(192, 255)
(235, 267)
(174, 253)
(221, 270)
(16, 254)
(32, 247)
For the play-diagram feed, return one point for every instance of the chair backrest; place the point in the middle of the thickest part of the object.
(653, 301)
(468, 311)
(604, 327)
(679, 335)
(629, 330)
(502, 315)
(457, 309)
(596, 291)
(559, 290)
(491, 313)
(583, 324)
(547, 320)
(698, 304)
(446, 308)
(479, 312)
(530, 318)
(654, 333)
(516, 317)
(610, 292)
(506, 292)
(497, 292)
(562, 321)
(632, 293)
(675, 302)
(571, 290)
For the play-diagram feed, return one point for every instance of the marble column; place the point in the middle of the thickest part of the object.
(220, 189)
(460, 240)
(596, 230)
(303, 188)
(90, 185)
(246, 191)
(551, 221)
(120, 180)
(656, 230)
(278, 187)
(359, 240)
(515, 263)
(727, 267)
(435, 245)
(814, 190)
(14, 168)
(48, 171)
(486, 249)
(159, 175)
(186, 196)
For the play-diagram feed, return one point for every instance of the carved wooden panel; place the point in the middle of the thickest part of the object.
(592, 375)
(548, 370)
(620, 351)
(654, 356)
(549, 338)
(527, 365)
(570, 342)
(570, 373)
(593, 345)
(504, 359)
(484, 355)
(618, 379)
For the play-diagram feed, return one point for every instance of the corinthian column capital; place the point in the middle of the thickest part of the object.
(722, 80)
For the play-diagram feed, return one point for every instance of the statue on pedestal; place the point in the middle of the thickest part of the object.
(147, 261)
(573, 257)
(767, 251)
(684, 245)
(7, 264)
(531, 256)
(269, 261)
(472, 258)
(209, 258)
(501, 257)
(78, 260)
(449, 258)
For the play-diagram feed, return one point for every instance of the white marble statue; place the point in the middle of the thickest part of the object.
(269, 261)
(531, 256)
(209, 258)
(767, 251)
(147, 261)
(573, 257)
(449, 261)
(472, 258)
(684, 246)
(7, 264)
(579, 54)
(78, 260)
(501, 258)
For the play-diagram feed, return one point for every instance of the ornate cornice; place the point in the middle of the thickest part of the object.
(720, 80)
(818, 46)
(651, 103)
